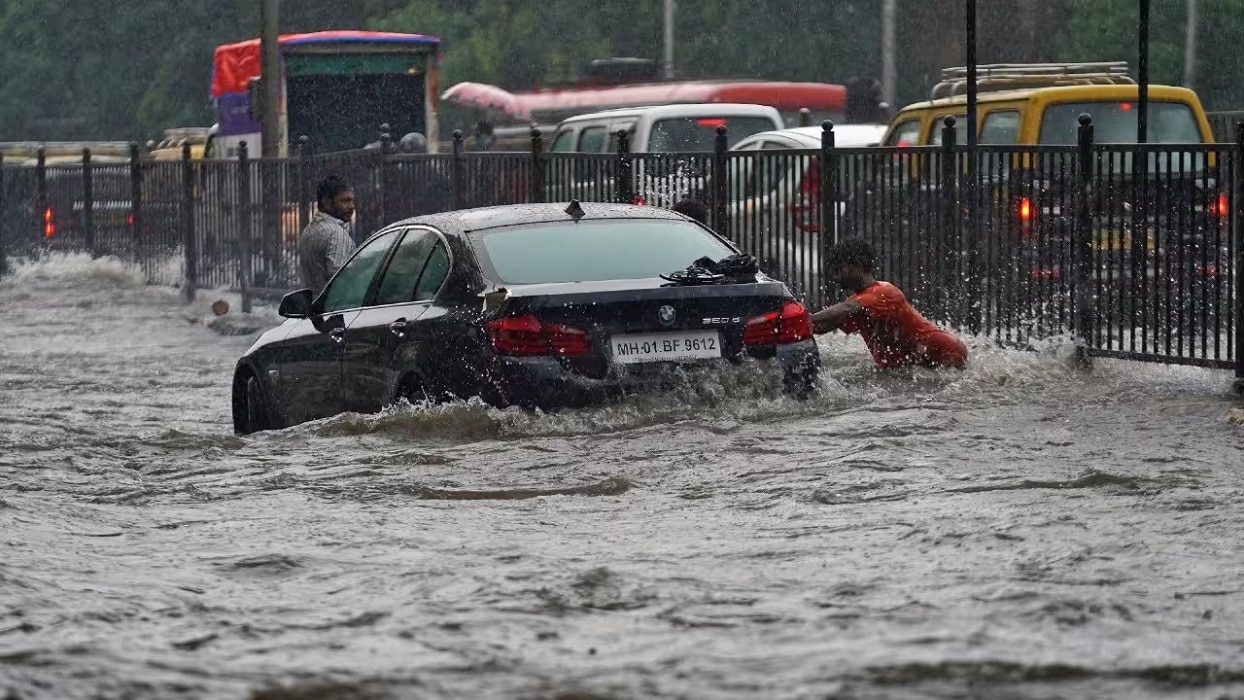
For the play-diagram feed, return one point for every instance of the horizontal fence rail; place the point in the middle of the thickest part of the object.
(1135, 251)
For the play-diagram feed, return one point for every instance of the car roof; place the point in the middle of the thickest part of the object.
(689, 110)
(462, 222)
(845, 136)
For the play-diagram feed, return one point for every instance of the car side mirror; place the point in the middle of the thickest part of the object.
(297, 304)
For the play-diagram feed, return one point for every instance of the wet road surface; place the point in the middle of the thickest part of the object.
(1020, 530)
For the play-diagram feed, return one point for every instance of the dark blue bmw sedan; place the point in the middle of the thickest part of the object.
(543, 305)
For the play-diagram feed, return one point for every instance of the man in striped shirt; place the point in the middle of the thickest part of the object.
(325, 244)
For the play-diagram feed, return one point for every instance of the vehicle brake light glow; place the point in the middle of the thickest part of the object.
(1125, 106)
(639, 201)
(1025, 209)
(1219, 206)
(49, 223)
(711, 123)
(527, 335)
(791, 324)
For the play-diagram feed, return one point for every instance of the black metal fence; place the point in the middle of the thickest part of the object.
(1135, 251)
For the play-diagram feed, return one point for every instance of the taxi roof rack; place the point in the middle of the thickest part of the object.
(1010, 76)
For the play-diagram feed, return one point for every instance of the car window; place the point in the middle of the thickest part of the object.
(1000, 127)
(961, 129)
(699, 134)
(402, 275)
(1115, 122)
(592, 139)
(628, 127)
(434, 273)
(564, 143)
(591, 251)
(905, 134)
(349, 288)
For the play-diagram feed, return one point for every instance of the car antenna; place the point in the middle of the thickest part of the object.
(575, 210)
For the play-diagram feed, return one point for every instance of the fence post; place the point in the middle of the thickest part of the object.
(386, 150)
(946, 252)
(136, 215)
(456, 171)
(304, 214)
(88, 204)
(721, 182)
(537, 166)
(244, 234)
(1082, 245)
(41, 194)
(187, 223)
(829, 205)
(626, 169)
(4, 221)
(1237, 224)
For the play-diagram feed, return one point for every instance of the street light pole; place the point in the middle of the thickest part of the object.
(889, 75)
(669, 39)
(1190, 47)
(270, 76)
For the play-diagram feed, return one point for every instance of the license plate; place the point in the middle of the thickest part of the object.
(633, 348)
(1119, 239)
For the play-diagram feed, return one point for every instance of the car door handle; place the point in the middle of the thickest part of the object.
(337, 334)
(398, 327)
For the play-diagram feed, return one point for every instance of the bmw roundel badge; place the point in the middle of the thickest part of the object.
(666, 315)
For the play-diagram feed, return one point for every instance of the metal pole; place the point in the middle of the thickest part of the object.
(669, 39)
(4, 218)
(889, 75)
(270, 75)
(1190, 46)
(1142, 113)
(971, 61)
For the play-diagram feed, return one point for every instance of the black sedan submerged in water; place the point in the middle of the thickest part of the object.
(543, 305)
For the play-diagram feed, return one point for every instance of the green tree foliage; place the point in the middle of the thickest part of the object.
(90, 69)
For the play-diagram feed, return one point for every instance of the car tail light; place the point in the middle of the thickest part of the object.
(527, 335)
(1039, 273)
(49, 223)
(129, 220)
(1024, 210)
(1207, 270)
(1219, 207)
(790, 324)
(639, 201)
(808, 198)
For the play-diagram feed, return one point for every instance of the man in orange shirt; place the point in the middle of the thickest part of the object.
(895, 333)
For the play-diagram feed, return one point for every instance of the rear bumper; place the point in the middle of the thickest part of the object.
(544, 383)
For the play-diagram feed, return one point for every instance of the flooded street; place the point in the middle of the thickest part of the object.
(1020, 530)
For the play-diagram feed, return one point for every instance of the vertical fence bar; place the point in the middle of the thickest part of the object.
(948, 242)
(537, 166)
(244, 234)
(456, 170)
(4, 222)
(829, 206)
(136, 200)
(304, 212)
(187, 223)
(1082, 243)
(626, 169)
(41, 195)
(383, 179)
(1237, 218)
(88, 204)
(721, 182)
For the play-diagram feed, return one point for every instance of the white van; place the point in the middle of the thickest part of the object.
(682, 128)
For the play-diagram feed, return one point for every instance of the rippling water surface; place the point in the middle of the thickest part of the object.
(1023, 529)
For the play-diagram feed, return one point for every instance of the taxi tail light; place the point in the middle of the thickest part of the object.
(49, 223)
(1218, 206)
(528, 336)
(790, 324)
(1025, 212)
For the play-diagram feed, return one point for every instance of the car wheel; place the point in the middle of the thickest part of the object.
(250, 410)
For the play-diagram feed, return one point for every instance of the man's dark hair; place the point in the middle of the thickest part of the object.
(854, 252)
(329, 188)
(692, 209)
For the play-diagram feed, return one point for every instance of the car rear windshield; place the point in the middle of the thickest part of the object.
(1115, 122)
(593, 251)
(697, 134)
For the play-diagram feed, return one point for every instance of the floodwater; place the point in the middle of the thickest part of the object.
(1020, 530)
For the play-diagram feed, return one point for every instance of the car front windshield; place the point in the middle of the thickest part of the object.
(593, 251)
